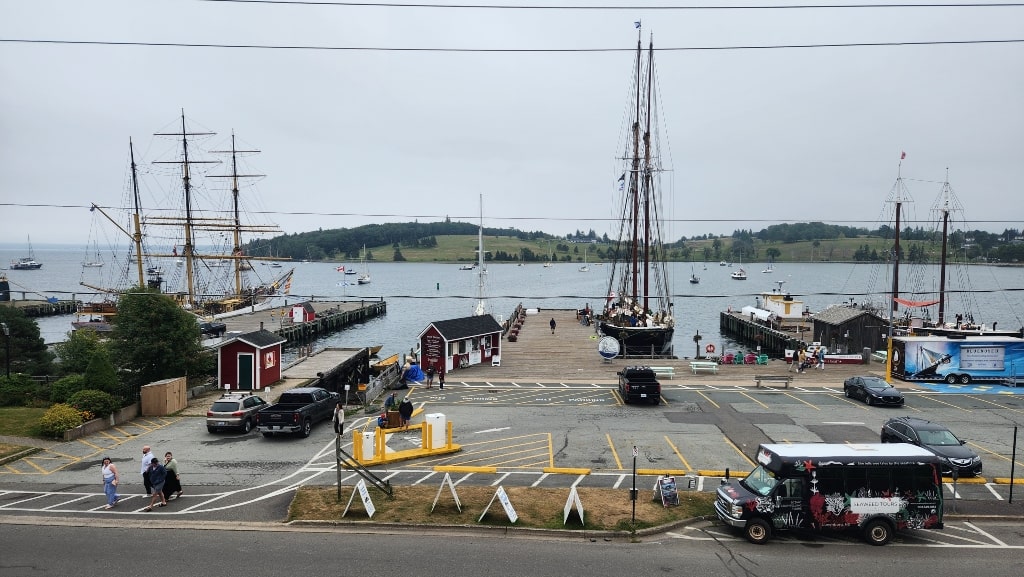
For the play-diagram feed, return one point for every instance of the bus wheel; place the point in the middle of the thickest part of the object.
(951, 378)
(965, 379)
(877, 532)
(757, 531)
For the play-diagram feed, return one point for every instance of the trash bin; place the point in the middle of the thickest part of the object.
(368, 445)
(438, 429)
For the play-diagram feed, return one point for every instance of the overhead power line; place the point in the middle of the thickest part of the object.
(634, 7)
(501, 50)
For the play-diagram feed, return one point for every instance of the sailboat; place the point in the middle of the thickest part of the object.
(481, 307)
(770, 268)
(27, 262)
(204, 290)
(364, 276)
(694, 279)
(584, 267)
(638, 310)
(548, 264)
(97, 261)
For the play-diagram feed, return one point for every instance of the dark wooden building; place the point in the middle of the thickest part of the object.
(455, 343)
(251, 361)
(849, 329)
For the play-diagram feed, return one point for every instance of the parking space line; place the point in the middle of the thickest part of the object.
(31, 463)
(993, 453)
(708, 399)
(618, 482)
(617, 397)
(615, 454)
(790, 395)
(540, 479)
(986, 533)
(68, 502)
(91, 445)
(947, 404)
(500, 479)
(678, 454)
(737, 449)
(423, 478)
(993, 491)
(994, 404)
(747, 395)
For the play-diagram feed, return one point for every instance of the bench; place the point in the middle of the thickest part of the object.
(704, 366)
(667, 372)
(786, 379)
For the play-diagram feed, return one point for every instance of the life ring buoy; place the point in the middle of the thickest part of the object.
(709, 349)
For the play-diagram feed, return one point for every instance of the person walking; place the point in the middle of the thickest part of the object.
(405, 411)
(821, 357)
(147, 458)
(802, 355)
(157, 477)
(552, 323)
(793, 364)
(430, 376)
(339, 418)
(440, 379)
(173, 483)
(110, 480)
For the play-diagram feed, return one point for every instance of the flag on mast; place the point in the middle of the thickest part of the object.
(903, 155)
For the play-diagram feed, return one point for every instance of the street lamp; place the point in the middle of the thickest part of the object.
(7, 337)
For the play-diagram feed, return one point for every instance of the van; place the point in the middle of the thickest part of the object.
(875, 488)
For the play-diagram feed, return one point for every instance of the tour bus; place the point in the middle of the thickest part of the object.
(875, 488)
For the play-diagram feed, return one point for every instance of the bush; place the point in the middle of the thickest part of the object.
(18, 391)
(62, 389)
(59, 418)
(95, 402)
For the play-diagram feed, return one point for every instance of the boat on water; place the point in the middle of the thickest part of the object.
(364, 276)
(584, 267)
(382, 365)
(467, 267)
(209, 292)
(97, 316)
(638, 312)
(739, 274)
(769, 269)
(27, 262)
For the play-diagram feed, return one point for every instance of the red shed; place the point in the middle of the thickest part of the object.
(250, 362)
(302, 313)
(446, 345)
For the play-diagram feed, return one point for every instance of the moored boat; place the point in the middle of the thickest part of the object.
(381, 365)
(27, 262)
(638, 311)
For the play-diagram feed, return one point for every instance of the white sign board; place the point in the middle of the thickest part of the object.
(447, 480)
(502, 496)
(364, 495)
(574, 498)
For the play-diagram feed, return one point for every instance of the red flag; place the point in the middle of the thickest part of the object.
(341, 269)
(175, 250)
(903, 155)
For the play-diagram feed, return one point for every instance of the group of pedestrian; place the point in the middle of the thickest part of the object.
(162, 480)
(803, 360)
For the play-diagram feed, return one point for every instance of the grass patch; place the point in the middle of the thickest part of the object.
(21, 421)
(604, 509)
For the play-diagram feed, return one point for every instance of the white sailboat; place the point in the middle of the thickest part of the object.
(481, 299)
(96, 261)
(584, 267)
(548, 264)
(364, 276)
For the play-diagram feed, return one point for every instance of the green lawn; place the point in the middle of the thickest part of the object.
(20, 421)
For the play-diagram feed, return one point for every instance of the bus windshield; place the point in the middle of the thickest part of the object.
(760, 481)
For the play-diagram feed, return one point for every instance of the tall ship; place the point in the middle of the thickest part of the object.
(638, 310)
(210, 275)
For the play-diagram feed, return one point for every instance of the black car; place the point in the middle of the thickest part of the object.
(212, 329)
(936, 438)
(639, 384)
(873, 391)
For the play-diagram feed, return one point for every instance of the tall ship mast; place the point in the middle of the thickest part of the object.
(638, 312)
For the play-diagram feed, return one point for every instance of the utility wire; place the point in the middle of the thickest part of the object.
(640, 7)
(501, 50)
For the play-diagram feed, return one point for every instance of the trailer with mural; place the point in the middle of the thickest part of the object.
(959, 359)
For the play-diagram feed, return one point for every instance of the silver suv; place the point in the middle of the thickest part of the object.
(234, 411)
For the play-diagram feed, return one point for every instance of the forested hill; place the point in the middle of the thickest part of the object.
(811, 241)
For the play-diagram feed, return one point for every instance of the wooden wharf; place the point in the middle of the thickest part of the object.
(570, 356)
(42, 308)
(331, 316)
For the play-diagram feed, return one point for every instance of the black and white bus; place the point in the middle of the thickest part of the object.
(875, 488)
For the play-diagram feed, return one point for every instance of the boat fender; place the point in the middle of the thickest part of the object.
(709, 349)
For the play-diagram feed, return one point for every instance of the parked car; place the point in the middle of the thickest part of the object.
(938, 439)
(296, 411)
(212, 329)
(234, 411)
(873, 391)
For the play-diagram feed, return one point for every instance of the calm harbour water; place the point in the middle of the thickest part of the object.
(419, 293)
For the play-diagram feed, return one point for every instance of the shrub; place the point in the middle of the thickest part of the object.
(92, 401)
(18, 391)
(62, 389)
(59, 418)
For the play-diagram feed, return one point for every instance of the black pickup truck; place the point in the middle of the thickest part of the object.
(297, 411)
(639, 384)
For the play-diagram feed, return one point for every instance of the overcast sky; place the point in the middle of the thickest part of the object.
(757, 136)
